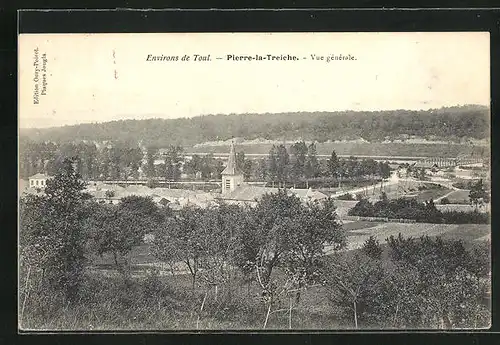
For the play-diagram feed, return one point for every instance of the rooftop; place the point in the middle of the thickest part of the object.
(40, 176)
(249, 193)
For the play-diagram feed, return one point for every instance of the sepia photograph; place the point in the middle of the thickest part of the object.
(254, 181)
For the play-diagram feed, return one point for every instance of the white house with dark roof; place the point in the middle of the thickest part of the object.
(38, 181)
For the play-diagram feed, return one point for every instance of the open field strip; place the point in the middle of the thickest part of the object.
(357, 233)
(467, 232)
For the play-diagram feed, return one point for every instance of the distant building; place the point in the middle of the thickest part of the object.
(236, 191)
(38, 181)
(232, 177)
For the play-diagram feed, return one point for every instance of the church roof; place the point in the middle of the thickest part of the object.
(253, 193)
(39, 176)
(231, 168)
(249, 193)
(308, 194)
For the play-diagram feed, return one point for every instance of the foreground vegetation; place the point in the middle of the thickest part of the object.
(232, 267)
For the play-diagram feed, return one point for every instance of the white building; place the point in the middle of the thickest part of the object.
(38, 181)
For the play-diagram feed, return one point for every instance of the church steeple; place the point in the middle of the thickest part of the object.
(232, 176)
(231, 168)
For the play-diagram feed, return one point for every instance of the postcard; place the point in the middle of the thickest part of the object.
(254, 181)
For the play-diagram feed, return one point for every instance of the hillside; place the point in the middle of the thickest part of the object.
(453, 124)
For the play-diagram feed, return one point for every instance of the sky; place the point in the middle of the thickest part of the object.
(106, 77)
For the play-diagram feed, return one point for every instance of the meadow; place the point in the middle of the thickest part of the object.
(359, 149)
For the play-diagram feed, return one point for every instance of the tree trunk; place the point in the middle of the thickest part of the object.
(41, 278)
(201, 309)
(396, 314)
(290, 314)
(355, 315)
(193, 281)
(26, 292)
(116, 260)
(193, 273)
(267, 315)
(446, 321)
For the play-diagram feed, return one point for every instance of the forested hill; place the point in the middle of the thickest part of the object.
(470, 121)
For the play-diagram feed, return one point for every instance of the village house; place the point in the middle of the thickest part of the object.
(38, 181)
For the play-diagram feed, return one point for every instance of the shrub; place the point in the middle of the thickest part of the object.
(445, 201)
(404, 208)
(372, 248)
(346, 196)
(109, 194)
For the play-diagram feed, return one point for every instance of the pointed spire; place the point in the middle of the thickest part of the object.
(231, 168)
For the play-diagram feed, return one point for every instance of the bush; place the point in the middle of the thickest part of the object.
(109, 194)
(372, 248)
(404, 208)
(346, 196)
(445, 201)
(460, 217)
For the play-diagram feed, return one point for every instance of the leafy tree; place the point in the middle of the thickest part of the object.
(396, 300)
(183, 233)
(218, 230)
(334, 165)
(173, 159)
(298, 153)
(150, 158)
(51, 228)
(282, 161)
(478, 194)
(372, 248)
(363, 208)
(281, 231)
(352, 283)
(272, 164)
(245, 165)
(261, 170)
(240, 160)
(312, 168)
(385, 170)
(105, 163)
(117, 229)
(450, 291)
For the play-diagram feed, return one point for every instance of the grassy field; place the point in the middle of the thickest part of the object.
(361, 149)
(359, 232)
(459, 197)
(426, 195)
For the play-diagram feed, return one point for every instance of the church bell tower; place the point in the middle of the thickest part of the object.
(232, 177)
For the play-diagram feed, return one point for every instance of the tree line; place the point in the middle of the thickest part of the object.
(449, 122)
(276, 248)
(121, 162)
(409, 208)
(300, 163)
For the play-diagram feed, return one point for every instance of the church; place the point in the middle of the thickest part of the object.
(236, 191)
